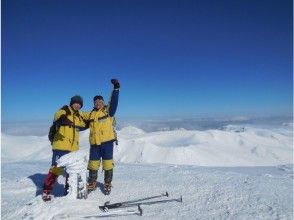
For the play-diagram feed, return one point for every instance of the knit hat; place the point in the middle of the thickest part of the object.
(76, 99)
(98, 97)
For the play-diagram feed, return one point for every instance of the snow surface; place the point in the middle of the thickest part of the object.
(237, 172)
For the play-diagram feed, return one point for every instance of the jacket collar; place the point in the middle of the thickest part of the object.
(72, 110)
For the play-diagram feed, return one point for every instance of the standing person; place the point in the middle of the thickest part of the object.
(102, 136)
(64, 137)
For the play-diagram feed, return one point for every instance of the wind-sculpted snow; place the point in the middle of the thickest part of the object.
(229, 146)
(208, 193)
(76, 164)
(15, 148)
(232, 146)
(239, 191)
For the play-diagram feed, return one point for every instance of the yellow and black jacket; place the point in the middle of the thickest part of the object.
(68, 123)
(100, 121)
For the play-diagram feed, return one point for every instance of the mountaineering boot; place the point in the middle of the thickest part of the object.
(107, 181)
(48, 186)
(92, 186)
(107, 188)
(93, 174)
(46, 195)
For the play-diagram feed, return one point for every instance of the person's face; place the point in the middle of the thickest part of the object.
(76, 106)
(98, 104)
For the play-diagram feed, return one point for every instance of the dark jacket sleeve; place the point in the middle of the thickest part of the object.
(113, 102)
(61, 119)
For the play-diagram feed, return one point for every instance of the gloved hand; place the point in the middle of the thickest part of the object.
(115, 83)
(63, 120)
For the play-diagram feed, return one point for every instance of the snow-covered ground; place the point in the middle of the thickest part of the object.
(237, 172)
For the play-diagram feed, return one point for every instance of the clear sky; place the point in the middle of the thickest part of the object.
(173, 58)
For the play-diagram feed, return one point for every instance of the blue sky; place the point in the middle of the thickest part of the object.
(173, 58)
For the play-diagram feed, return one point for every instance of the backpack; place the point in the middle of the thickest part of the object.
(54, 127)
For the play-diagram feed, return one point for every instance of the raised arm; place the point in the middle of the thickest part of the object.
(114, 97)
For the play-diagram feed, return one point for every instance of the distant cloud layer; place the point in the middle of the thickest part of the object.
(41, 128)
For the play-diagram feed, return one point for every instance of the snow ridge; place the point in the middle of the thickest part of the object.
(230, 146)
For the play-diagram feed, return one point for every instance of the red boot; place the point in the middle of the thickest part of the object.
(48, 186)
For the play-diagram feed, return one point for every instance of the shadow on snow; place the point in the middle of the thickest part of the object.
(38, 180)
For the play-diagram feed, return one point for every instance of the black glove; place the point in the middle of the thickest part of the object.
(63, 120)
(115, 83)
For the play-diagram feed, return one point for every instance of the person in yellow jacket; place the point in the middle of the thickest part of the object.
(67, 121)
(101, 138)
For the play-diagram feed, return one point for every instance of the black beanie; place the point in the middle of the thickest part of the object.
(76, 99)
(98, 97)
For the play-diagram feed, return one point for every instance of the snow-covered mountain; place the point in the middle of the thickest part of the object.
(237, 172)
(231, 146)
